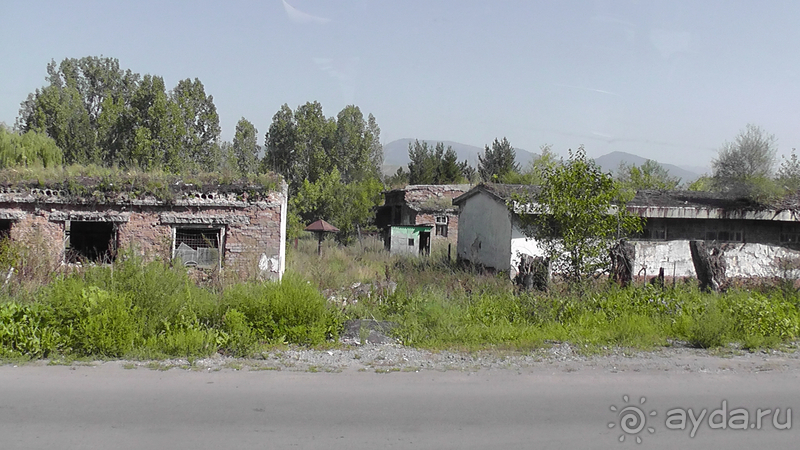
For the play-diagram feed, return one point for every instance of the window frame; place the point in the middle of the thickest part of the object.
(218, 230)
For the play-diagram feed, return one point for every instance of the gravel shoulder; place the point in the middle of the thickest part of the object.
(559, 357)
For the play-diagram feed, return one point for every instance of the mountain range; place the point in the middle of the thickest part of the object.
(395, 155)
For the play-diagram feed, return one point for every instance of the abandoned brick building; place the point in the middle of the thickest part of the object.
(235, 228)
(416, 212)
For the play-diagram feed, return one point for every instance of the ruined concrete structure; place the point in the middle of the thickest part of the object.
(239, 229)
(755, 238)
(422, 204)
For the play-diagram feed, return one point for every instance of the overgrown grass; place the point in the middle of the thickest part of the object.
(439, 305)
(153, 311)
(103, 183)
(138, 310)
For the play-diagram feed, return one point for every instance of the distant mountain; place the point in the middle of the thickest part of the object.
(611, 162)
(395, 153)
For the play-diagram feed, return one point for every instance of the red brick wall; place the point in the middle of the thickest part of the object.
(452, 225)
(39, 233)
(252, 230)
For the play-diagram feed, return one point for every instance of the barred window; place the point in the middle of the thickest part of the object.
(199, 247)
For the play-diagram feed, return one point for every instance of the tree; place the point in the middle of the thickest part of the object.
(80, 108)
(346, 206)
(449, 169)
(704, 183)
(200, 124)
(468, 173)
(650, 175)
(314, 144)
(375, 146)
(789, 173)
(534, 173)
(497, 161)
(433, 165)
(304, 145)
(30, 149)
(422, 165)
(744, 166)
(281, 143)
(245, 147)
(98, 113)
(154, 127)
(575, 216)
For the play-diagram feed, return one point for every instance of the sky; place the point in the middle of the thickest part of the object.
(671, 81)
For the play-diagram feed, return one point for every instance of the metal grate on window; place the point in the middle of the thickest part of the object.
(198, 247)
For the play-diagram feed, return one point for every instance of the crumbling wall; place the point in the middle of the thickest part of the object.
(33, 229)
(255, 244)
(452, 224)
(144, 235)
(254, 230)
(742, 260)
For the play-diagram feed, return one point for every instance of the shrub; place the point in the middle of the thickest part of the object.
(292, 311)
(26, 330)
(109, 325)
(756, 317)
(710, 328)
(237, 336)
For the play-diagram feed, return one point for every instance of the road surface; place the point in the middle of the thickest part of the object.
(108, 406)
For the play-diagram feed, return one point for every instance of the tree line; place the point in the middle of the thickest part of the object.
(91, 111)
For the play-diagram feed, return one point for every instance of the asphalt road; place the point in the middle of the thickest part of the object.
(107, 406)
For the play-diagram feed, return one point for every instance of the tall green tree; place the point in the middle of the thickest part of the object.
(80, 108)
(200, 123)
(280, 144)
(245, 147)
(744, 167)
(304, 144)
(345, 205)
(155, 127)
(314, 144)
(375, 146)
(449, 169)
(533, 174)
(352, 151)
(422, 166)
(576, 216)
(497, 161)
(433, 165)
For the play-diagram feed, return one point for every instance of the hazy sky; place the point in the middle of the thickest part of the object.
(666, 80)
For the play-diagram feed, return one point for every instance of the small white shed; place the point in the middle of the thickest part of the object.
(489, 232)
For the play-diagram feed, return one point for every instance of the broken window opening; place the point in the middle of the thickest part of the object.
(5, 229)
(441, 226)
(199, 247)
(94, 242)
